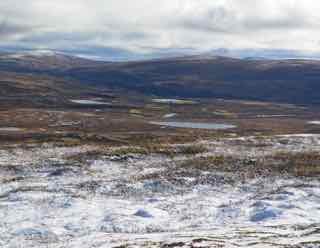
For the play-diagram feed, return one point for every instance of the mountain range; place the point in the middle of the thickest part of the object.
(55, 77)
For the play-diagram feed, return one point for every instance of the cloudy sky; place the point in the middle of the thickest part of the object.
(123, 28)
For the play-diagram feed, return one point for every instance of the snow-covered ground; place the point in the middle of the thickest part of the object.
(47, 200)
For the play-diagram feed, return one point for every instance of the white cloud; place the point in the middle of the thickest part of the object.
(140, 25)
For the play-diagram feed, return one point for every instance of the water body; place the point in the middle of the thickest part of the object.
(173, 101)
(314, 122)
(10, 129)
(89, 102)
(171, 115)
(194, 125)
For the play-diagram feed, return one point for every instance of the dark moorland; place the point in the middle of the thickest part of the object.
(286, 81)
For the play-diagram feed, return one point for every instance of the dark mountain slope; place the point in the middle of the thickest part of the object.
(32, 90)
(294, 81)
(290, 81)
(42, 62)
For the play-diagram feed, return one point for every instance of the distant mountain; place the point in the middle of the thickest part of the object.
(41, 61)
(28, 79)
(290, 80)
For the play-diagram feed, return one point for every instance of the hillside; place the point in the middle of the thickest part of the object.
(289, 81)
(292, 81)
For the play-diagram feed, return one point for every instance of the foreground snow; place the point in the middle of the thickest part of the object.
(48, 201)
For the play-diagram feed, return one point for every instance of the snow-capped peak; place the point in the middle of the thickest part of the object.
(33, 53)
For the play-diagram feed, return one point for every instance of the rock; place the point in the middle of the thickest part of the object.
(143, 213)
(264, 214)
(41, 235)
(173, 245)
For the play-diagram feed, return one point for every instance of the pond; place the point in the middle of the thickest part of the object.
(89, 102)
(174, 101)
(171, 115)
(10, 129)
(195, 125)
(314, 122)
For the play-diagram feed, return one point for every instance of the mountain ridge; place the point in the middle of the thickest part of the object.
(191, 76)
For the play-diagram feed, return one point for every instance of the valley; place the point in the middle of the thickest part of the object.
(110, 165)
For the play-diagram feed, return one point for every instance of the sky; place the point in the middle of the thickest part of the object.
(145, 28)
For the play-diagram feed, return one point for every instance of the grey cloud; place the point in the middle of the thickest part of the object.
(212, 20)
(134, 36)
(147, 26)
(287, 22)
(227, 20)
(8, 29)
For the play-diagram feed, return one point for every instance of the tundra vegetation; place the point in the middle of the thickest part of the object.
(83, 165)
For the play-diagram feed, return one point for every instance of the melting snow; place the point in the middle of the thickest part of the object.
(106, 203)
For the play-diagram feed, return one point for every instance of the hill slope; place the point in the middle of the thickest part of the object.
(291, 81)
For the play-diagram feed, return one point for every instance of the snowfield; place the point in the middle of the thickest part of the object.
(49, 200)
